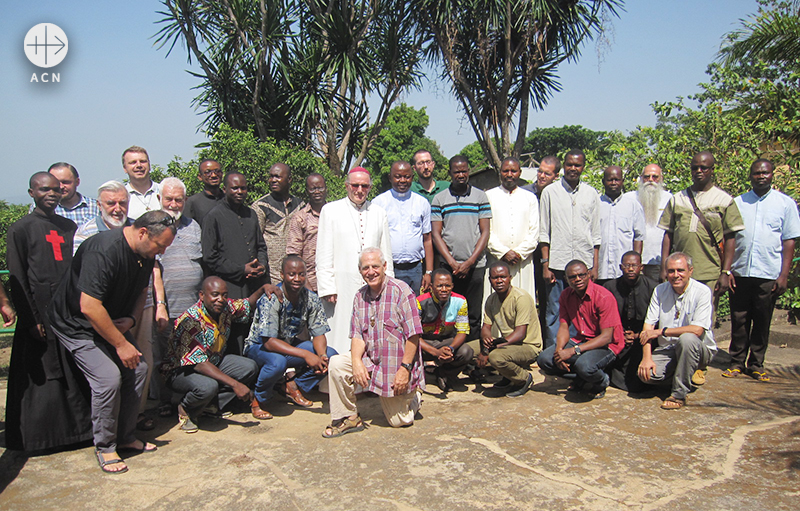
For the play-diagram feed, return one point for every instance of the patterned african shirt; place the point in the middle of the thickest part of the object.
(197, 338)
(443, 320)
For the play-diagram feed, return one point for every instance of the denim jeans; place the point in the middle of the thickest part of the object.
(411, 276)
(273, 366)
(551, 323)
(588, 367)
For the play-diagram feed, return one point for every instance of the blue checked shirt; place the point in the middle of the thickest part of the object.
(285, 321)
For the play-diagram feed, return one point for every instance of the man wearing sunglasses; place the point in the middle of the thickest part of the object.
(209, 172)
(590, 334)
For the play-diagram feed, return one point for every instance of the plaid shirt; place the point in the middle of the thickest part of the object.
(385, 323)
(86, 209)
(194, 335)
(285, 321)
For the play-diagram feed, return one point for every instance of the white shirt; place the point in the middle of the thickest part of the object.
(141, 203)
(692, 308)
(409, 216)
(653, 236)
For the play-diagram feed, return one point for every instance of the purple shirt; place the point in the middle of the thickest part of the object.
(385, 323)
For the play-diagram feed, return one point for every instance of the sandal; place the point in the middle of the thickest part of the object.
(673, 403)
(145, 423)
(759, 375)
(731, 373)
(165, 410)
(344, 426)
(258, 412)
(104, 463)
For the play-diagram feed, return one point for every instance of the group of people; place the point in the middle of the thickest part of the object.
(430, 277)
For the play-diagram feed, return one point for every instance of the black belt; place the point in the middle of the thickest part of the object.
(406, 266)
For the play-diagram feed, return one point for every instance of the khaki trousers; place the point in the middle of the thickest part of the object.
(399, 410)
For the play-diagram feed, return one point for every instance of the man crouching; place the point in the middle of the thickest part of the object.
(385, 356)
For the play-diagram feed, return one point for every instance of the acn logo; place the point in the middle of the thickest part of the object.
(46, 45)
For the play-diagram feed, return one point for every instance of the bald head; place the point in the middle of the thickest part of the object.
(652, 173)
(214, 295)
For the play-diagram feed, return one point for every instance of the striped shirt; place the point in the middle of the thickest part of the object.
(385, 324)
(460, 216)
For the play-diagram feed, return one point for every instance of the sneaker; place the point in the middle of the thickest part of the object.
(699, 377)
(186, 424)
(502, 384)
(521, 390)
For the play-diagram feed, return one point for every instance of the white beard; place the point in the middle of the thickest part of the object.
(649, 195)
(110, 221)
(175, 215)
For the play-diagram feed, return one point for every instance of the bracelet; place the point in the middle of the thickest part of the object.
(161, 302)
(664, 331)
(134, 321)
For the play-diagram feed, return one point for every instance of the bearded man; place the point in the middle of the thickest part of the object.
(653, 197)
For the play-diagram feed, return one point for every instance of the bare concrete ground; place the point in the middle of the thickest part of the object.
(736, 445)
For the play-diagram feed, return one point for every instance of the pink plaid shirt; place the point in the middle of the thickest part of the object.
(385, 323)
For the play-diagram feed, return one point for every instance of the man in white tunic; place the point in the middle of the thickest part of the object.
(513, 228)
(346, 227)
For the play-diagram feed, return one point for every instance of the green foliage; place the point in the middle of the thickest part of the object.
(9, 213)
(401, 136)
(241, 151)
(299, 71)
(478, 160)
(790, 299)
(543, 142)
(500, 57)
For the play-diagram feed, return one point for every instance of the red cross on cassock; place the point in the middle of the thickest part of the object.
(54, 239)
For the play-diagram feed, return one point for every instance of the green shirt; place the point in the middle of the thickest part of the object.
(517, 309)
(689, 235)
(438, 186)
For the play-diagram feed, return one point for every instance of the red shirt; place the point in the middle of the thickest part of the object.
(591, 314)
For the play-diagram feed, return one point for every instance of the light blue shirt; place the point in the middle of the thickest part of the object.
(769, 220)
(409, 216)
(621, 223)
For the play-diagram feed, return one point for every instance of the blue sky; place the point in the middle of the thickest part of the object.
(117, 89)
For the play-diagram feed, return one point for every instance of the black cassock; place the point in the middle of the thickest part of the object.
(48, 402)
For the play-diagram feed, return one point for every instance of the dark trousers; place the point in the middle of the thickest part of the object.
(198, 390)
(471, 288)
(751, 314)
(461, 357)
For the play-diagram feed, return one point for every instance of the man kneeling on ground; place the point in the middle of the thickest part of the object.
(195, 367)
(511, 337)
(445, 325)
(590, 334)
(385, 357)
(682, 307)
(279, 337)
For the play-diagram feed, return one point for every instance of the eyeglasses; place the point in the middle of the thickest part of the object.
(424, 162)
(650, 177)
(577, 276)
(353, 185)
(208, 172)
(314, 190)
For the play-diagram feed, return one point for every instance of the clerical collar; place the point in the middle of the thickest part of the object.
(358, 208)
(398, 195)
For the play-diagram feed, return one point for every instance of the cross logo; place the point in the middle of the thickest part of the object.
(56, 240)
(46, 45)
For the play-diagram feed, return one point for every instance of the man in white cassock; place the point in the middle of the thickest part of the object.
(514, 228)
(346, 227)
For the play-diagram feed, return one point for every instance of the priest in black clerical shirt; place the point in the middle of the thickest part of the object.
(632, 291)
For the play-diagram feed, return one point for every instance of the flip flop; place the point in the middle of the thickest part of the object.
(104, 463)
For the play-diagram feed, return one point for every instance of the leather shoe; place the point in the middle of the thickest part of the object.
(293, 393)
(258, 412)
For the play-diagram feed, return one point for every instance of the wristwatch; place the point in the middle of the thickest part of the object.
(726, 272)
(577, 349)
(408, 367)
